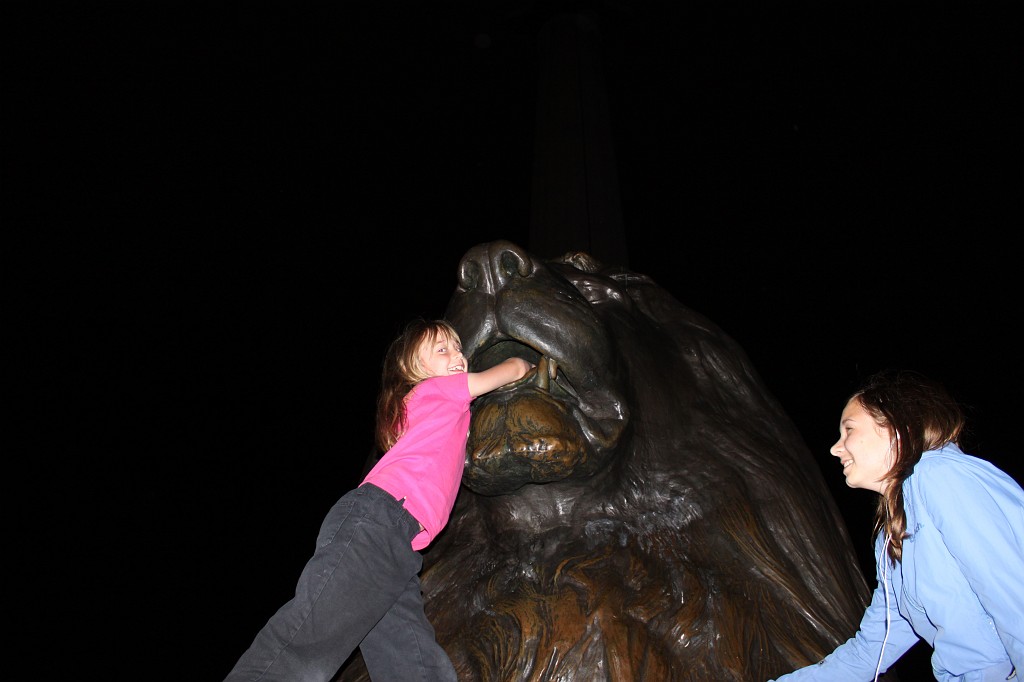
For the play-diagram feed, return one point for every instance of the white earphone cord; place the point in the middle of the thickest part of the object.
(882, 559)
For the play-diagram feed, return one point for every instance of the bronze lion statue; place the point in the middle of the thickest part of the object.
(639, 507)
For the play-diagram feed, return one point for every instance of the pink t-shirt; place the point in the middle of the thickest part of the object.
(425, 465)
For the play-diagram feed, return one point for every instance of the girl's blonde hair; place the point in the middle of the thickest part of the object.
(401, 372)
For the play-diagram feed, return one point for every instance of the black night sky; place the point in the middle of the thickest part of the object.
(231, 208)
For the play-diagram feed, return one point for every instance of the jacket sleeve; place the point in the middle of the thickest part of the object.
(980, 514)
(856, 659)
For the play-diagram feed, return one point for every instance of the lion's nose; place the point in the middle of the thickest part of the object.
(491, 266)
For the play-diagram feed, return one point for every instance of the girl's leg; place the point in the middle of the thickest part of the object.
(402, 646)
(361, 565)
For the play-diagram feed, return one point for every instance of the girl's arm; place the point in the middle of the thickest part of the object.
(503, 373)
(857, 658)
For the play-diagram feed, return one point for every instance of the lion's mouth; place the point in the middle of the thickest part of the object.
(533, 430)
(547, 375)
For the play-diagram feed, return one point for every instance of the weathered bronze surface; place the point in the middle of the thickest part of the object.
(640, 507)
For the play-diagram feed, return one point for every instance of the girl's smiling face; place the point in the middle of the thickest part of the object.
(442, 357)
(864, 448)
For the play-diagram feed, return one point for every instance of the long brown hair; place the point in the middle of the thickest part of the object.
(401, 372)
(919, 415)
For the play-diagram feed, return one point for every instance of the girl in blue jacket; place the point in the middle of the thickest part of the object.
(949, 540)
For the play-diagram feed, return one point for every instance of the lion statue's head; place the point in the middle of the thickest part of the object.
(639, 507)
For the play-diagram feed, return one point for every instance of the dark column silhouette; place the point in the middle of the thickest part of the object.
(575, 202)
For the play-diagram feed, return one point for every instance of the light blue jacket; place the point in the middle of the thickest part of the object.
(960, 585)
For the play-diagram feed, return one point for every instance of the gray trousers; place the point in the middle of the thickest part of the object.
(361, 588)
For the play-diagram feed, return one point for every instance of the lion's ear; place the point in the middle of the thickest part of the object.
(581, 260)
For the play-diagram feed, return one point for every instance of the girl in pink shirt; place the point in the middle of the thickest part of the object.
(361, 588)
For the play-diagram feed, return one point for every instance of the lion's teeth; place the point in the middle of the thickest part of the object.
(542, 380)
